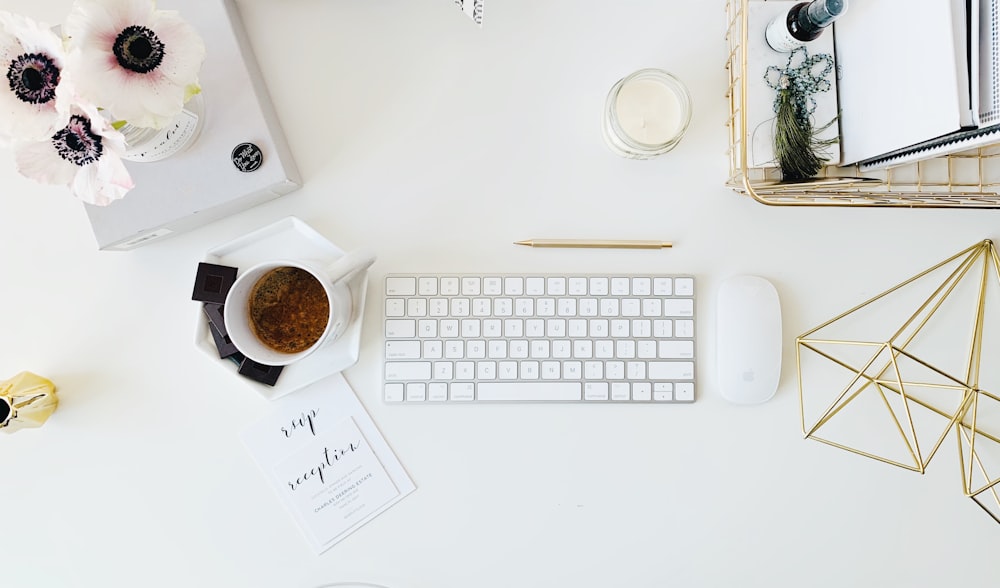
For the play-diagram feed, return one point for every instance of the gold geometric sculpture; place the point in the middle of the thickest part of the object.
(890, 378)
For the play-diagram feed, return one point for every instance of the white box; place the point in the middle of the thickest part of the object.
(201, 184)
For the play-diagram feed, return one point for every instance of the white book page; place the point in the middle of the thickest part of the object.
(899, 83)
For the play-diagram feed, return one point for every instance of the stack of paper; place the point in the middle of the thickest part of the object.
(918, 79)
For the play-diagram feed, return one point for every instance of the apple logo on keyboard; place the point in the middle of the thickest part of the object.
(748, 376)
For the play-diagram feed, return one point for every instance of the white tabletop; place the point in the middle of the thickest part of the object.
(438, 144)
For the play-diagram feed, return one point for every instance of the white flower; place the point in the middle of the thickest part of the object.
(139, 63)
(83, 155)
(33, 93)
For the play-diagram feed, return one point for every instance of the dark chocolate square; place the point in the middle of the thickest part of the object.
(218, 329)
(212, 282)
(265, 374)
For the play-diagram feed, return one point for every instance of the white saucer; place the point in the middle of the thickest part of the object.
(289, 238)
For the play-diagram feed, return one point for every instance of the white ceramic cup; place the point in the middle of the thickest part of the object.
(333, 277)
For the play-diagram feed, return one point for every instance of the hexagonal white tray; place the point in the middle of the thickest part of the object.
(289, 238)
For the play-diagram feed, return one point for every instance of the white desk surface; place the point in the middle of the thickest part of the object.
(438, 144)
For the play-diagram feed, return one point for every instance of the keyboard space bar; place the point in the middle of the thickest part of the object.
(529, 391)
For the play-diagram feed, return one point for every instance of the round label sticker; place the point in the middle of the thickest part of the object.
(247, 157)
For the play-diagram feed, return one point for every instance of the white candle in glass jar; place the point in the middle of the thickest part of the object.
(646, 114)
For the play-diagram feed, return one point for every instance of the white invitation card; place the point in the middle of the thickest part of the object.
(327, 461)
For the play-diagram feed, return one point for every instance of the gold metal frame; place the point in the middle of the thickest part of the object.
(892, 372)
(965, 180)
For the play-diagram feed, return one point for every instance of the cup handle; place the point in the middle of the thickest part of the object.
(349, 265)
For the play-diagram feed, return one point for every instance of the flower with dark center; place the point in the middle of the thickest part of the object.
(82, 155)
(76, 143)
(138, 63)
(34, 101)
(138, 49)
(33, 78)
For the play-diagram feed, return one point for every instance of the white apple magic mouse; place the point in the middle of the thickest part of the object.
(748, 339)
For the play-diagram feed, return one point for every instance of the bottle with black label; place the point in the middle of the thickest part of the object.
(804, 22)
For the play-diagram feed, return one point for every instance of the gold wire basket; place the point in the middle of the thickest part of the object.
(964, 180)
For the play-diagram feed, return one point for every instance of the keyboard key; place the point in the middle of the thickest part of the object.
(465, 370)
(492, 286)
(529, 391)
(463, 391)
(407, 370)
(402, 349)
(684, 392)
(678, 307)
(427, 328)
(471, 286)
(444, 370)
(400, 286)
(486, 370)
(394, 392)
(416, 392)
(631, 307)
(481, 307)
(595, 391)
(454, 349)
(684, 287)
(577, 286)
(663, 286)
(598, 286)
(438, 307)
(395, 307)
(400, 328)
(670, 370)
(432, 349)
(427, 286)
(663, 392)
(507, 370)
(449, 286)
(416, 307)
(534, 286)
(437, 392)
(676, 349)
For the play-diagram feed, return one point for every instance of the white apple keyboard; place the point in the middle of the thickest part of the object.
(539, 338)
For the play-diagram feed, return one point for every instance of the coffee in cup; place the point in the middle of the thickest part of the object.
(278, 312)
(288, 309)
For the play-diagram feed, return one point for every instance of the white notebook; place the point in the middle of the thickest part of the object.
(906, 73)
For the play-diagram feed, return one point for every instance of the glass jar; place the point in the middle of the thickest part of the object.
(149, 144)
(646, 114)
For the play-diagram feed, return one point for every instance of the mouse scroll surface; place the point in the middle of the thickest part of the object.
(748, 342)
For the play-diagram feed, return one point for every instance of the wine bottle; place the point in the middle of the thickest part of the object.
(802, 23)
